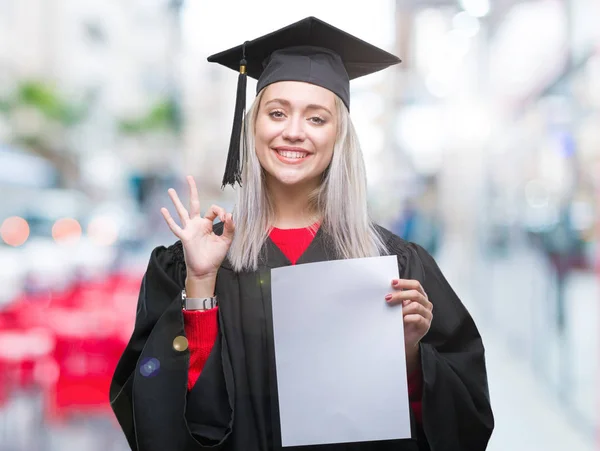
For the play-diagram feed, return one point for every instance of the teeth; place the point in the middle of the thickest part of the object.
(291, 154)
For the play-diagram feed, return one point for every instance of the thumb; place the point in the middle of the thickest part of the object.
(229, 227)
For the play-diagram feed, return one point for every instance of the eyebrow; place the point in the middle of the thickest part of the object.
(312, 106)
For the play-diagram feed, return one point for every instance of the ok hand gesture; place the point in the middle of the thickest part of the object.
(204, 251)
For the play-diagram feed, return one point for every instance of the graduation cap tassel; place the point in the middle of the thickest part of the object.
(233, 168)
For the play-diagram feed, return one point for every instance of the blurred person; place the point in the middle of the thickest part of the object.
(199, 370)
(419, 220)
(419, 226)
(563, 246)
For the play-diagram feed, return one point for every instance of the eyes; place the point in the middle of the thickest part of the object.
(278, 114)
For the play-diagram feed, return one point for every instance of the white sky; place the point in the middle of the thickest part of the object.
(212, 26)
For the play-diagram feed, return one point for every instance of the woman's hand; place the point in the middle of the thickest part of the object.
(417, 312)
(203, 250)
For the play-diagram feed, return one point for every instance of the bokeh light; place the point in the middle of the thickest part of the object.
(14, 231)
(66, 230)
(103, 231)
(149, 367)
(476, 8)
(466, 24)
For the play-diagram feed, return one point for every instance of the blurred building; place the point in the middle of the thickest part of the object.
(118, 60)
(501, 103)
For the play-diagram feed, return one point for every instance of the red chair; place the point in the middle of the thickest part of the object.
(87, 351)
(68, 343)
(20, 352)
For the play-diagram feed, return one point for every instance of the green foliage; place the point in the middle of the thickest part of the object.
(46, 99)
(30, 142)
(161, 117)
(4, 106)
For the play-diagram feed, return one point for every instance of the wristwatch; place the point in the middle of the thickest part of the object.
(197, 303)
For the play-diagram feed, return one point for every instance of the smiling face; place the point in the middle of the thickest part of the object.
(295, 132)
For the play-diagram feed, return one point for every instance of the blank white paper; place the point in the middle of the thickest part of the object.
(339, 350)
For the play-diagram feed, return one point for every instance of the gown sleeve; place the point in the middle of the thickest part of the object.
(151, 376)
(456, 409)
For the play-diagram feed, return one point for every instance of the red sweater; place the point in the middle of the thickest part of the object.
(201, 326)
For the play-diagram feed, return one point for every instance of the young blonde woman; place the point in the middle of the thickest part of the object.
(200, 373)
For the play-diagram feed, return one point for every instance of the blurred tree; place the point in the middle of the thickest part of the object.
(40, 120)
(163, 116)
(4, 106)
(49, 102)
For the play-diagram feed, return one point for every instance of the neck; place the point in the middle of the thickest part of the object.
(291, 206)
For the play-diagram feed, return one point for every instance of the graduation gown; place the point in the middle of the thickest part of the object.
(233, 405)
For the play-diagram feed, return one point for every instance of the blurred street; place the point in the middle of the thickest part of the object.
(527, 415)
(517, 399)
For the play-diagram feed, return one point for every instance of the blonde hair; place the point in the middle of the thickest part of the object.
(340, 200)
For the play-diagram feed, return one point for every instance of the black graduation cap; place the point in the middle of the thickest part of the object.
(311, 51)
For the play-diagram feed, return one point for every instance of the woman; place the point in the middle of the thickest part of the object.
(204, 376)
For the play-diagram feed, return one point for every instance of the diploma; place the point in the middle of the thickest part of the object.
(339, 352)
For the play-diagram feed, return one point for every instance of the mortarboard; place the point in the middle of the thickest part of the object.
(311, 51)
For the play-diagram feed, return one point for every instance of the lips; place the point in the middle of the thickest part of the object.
(291, 155)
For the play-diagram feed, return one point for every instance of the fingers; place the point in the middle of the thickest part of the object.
(417, 320)
(417, 309)
(194, 201)
(408, 284)
(181, 211)
(215, 211)
(229, 227)
(171, 223)
(408, 296)
(409, 290)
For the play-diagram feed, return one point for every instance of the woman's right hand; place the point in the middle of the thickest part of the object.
(204, 251)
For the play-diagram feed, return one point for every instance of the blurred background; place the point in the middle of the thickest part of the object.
(483, 146)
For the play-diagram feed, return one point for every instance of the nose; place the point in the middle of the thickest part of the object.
(294, 129)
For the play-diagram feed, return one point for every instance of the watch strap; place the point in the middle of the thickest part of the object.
(197, 303)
